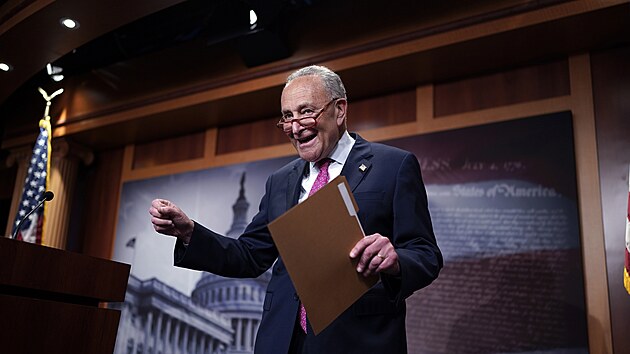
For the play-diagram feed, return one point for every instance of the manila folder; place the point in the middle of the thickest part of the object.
(314, 239)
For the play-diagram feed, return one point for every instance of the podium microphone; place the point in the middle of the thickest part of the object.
(48, 196)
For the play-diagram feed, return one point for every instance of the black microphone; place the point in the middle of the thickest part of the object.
(48, 196)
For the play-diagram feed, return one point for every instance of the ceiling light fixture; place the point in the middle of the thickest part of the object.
(5, 67)
(253, 19)
(54, 72)
(69, 23)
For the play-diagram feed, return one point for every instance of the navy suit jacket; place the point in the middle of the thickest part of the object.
(392, 201)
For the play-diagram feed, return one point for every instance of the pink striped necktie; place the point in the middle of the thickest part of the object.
(322, 176)
(320, 181)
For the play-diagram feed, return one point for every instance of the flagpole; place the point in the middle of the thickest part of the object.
(45, 124)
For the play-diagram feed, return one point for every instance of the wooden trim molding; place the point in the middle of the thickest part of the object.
(498, 114)
(591, 219)
(210, 148)
(127, 165)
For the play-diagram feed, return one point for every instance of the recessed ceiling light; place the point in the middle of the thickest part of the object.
(253, 19)
(5, 67)
(69, 23)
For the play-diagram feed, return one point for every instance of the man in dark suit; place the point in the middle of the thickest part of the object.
(387, 185)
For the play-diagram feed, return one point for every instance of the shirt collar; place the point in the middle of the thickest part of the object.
(341, 151)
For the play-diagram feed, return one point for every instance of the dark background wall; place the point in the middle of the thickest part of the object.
(414, 69)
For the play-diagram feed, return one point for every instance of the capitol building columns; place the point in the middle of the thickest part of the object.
(248, 334)
(158, 319)
(167, 335)
(175, 341)
(185, 342)
(168, 340)
(245, 335)
(147, 329)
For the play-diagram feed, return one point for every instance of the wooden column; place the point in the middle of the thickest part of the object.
(64, 168)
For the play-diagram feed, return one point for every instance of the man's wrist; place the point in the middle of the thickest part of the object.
(188, 235)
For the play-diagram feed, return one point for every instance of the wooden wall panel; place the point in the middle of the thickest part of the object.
(611, 88)
(382, 111)
(101, 208)
(248, 136)
(171, 150)
(504, 88)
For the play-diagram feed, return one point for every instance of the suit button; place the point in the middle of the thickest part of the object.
(295, 297)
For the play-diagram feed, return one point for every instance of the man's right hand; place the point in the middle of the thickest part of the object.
(168, 219)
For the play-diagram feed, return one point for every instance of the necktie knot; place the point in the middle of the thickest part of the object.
(323, 164)
(322, 176)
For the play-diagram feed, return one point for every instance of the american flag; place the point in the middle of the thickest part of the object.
(34, 188)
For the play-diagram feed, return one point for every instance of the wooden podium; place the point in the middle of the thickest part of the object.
(51, 301)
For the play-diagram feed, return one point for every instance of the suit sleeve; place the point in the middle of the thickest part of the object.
(413, 238)
(246, 257)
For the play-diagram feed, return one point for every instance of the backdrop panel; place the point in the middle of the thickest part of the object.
(504, 206)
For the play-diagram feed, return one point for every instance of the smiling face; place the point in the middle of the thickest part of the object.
(304, 95)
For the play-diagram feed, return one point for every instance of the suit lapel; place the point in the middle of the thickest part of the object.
(358, 163)
(293, 181)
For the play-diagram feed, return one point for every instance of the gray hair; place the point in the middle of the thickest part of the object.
(332, 81)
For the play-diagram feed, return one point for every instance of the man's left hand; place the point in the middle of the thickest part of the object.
(376, 255)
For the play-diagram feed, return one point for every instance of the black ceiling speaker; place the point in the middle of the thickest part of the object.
(261, 47)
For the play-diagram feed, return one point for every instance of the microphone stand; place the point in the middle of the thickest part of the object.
(47, 196)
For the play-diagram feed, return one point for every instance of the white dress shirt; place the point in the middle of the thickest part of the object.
(339, 155)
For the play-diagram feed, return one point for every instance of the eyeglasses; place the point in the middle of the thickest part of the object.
(308, 119)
